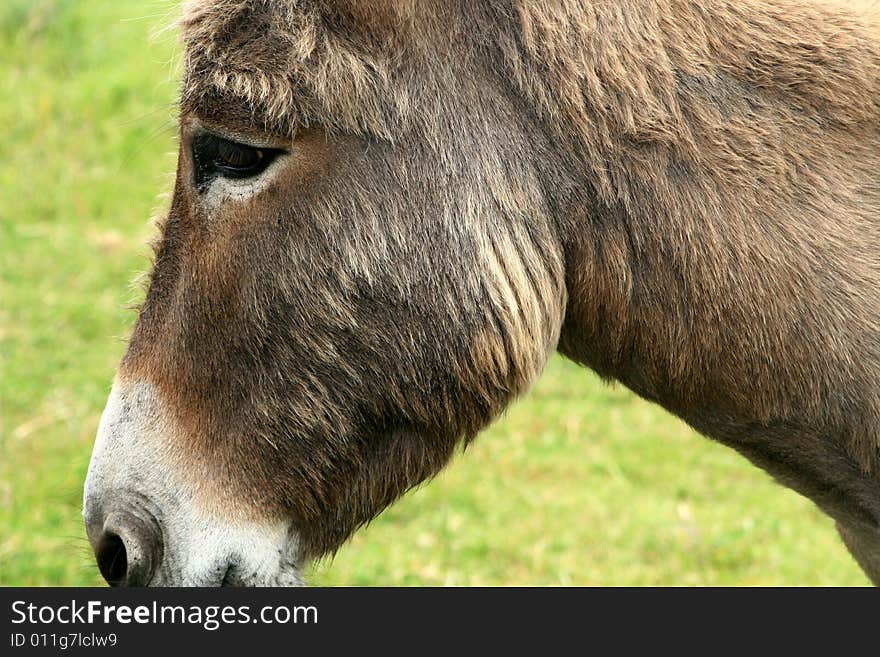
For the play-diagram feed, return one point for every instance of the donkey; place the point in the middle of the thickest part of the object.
(388, 214)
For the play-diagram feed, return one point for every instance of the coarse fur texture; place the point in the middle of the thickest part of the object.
(683, 196)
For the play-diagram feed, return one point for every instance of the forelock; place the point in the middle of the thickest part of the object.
(298, 62)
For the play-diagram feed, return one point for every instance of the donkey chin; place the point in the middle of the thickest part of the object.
(149, 529)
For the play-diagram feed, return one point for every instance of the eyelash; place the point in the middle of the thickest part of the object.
(215, 156)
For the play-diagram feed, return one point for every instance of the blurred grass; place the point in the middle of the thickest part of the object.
(579, 483)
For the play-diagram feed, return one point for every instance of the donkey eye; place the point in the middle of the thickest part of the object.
(214, 156)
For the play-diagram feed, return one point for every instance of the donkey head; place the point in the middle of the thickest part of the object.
(359, 269)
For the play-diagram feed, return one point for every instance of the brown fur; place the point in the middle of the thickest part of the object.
(684, 195)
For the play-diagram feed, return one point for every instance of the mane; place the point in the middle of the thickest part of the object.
(667, 75)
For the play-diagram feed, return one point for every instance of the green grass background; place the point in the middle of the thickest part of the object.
(578, 484)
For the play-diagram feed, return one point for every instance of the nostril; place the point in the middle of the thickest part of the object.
(128, 548)
(112, 558)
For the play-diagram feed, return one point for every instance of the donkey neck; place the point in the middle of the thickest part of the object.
(710, 155)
